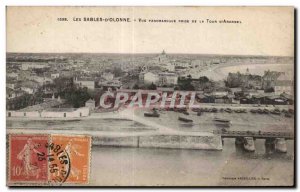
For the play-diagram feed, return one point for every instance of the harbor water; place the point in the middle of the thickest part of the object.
(231, 166)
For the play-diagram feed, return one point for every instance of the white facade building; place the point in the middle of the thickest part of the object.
(168, 79)
(54, 75)
(151, 77)
(108, 76)
(12, 75)
(41, 80)
(91, 104)
(85, 82)
(284, 84)
(28, 90)
(284, 87)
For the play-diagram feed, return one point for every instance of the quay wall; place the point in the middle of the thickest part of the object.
(128, 141)
(211, 142)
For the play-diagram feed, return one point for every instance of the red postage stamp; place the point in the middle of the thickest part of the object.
(26, 164)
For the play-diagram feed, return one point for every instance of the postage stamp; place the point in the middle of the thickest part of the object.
(49, 159)
(26, 164)
(76, 156)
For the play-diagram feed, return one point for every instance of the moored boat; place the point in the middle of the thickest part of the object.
(196, 109)
(260, 111)
(228, 110)
(222, 121)
(276, 112)
(151, 114)
(214, 110)
(237, 110)
(288, 115)
(266, 111)
(186, 113)
(186, 120)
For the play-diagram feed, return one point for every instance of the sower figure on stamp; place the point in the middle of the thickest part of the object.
(30, 169)
(72, 149)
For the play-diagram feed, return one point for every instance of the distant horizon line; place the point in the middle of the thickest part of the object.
(167, 53)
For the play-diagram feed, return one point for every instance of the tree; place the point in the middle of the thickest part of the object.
(76, 97)
(136, 86)
(22, 101)
(269, 90)
(63, 83)
(117, 71)
(203, 79)
(39, 96)
(234, 80)
(186, 84)
(188, 87)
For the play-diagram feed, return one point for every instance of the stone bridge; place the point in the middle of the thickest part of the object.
(273, 140)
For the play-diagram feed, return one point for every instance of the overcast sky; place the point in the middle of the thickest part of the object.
(263, 31)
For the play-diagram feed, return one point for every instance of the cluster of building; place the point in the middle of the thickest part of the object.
(28, 75)
(106, 81)
(270, 81)
(161, 71)
(52, 108)
(235, 96)
(158, 78)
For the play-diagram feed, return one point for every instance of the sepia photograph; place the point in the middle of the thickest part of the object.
(150, 96)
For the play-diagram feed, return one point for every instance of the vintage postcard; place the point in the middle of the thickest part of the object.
(150, 96)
